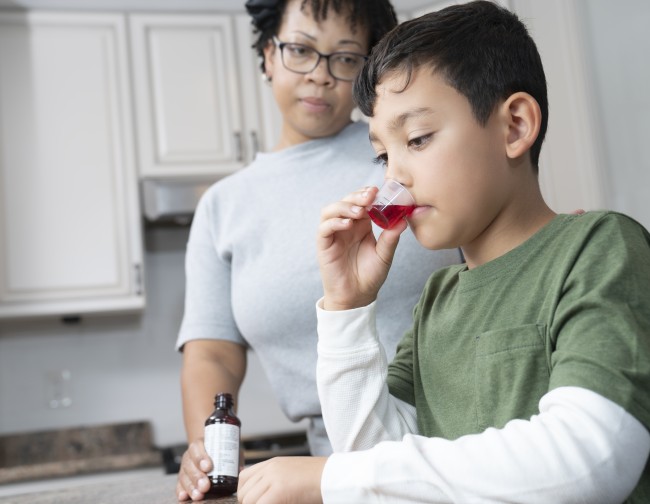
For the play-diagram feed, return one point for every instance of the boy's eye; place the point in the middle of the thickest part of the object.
(420, 141)
(381, 159)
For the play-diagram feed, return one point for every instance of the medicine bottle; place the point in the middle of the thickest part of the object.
(222, 435)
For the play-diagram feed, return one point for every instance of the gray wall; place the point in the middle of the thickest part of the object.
(122, 368)
(619, 42)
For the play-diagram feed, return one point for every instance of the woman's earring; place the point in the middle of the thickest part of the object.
(266, 78)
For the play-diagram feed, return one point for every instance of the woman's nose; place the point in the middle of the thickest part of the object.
(321, 73)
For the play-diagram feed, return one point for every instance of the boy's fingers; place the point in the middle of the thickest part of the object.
(248, 478)
(341, 209)
(350, 206)
(364, 195)
(328, 228)
(388, 240)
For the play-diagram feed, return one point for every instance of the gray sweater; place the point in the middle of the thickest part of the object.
(251, 269)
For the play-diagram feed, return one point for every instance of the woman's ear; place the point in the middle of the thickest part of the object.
(269, 53)
(523, 119)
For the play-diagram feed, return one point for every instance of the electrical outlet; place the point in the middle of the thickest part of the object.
(58, 388)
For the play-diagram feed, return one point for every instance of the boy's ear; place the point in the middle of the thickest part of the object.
(522, 118)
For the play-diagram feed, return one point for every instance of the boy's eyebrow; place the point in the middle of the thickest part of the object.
(399, 121)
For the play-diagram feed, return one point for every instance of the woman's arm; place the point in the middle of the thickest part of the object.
(209, 367)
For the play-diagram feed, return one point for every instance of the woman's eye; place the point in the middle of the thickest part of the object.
(420, 141)
(351, 60)
(298, 50)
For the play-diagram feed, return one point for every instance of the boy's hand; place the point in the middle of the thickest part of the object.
(353, 264)
(285, 480)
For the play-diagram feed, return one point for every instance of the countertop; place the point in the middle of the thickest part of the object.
(30, 456)
(146, 490)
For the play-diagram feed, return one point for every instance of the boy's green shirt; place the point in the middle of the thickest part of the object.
(569, 307)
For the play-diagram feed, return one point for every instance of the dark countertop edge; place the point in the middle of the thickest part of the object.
(83, 466)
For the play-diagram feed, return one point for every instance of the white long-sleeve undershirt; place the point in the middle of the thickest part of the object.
(580, 448)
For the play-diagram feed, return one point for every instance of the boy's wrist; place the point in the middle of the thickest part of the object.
(345, 328)
(329, 304)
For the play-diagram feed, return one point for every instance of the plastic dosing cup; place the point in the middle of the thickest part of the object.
(392, 203)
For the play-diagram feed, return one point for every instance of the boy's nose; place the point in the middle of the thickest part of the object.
(397, 171)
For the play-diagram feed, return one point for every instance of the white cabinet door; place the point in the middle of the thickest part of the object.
(187, 95)
(262, 116)
(70, 239)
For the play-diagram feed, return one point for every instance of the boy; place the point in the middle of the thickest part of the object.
(529, 366)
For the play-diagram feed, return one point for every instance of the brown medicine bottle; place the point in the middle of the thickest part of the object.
(222, 436)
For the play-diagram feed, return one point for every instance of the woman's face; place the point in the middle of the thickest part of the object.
(315, 104)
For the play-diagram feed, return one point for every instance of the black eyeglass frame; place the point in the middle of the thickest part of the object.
(281, 45)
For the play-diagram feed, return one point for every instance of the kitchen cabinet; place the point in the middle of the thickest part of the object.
(70, 236)
(262, 117)
(189, 114)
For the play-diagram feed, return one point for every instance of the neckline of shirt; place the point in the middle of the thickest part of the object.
(507, 263)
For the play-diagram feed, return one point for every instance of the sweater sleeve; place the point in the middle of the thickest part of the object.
(208, 310)
(581, 447)
(351, 370)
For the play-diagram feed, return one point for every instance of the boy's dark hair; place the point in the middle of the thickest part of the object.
(482, 50)
(378, 16)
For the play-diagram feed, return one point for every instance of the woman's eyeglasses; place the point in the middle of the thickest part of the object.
(303, 59)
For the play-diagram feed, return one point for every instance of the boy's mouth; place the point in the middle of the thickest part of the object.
(419, 209)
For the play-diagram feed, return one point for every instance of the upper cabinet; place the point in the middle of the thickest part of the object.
(70, 206)
(262, 118)
(187, 92)
(70, 237)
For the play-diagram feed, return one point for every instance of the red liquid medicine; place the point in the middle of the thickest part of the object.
(389, 215)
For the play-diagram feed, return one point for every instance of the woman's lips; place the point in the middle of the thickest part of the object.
(315, 104)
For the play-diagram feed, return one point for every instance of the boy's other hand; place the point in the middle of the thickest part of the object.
(286, 480)
(353, 264)
(193, 480)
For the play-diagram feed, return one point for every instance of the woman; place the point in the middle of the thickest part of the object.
(252, 275)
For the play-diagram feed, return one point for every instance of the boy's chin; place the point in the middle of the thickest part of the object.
(430, 242)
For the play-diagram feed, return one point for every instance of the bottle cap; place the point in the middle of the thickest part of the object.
(223, 400)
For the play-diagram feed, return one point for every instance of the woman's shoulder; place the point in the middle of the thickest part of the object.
(354, 134)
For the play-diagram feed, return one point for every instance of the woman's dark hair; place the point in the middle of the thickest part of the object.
(482, 50)
(378, 16)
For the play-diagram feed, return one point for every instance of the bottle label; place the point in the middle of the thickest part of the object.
(222, 444)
